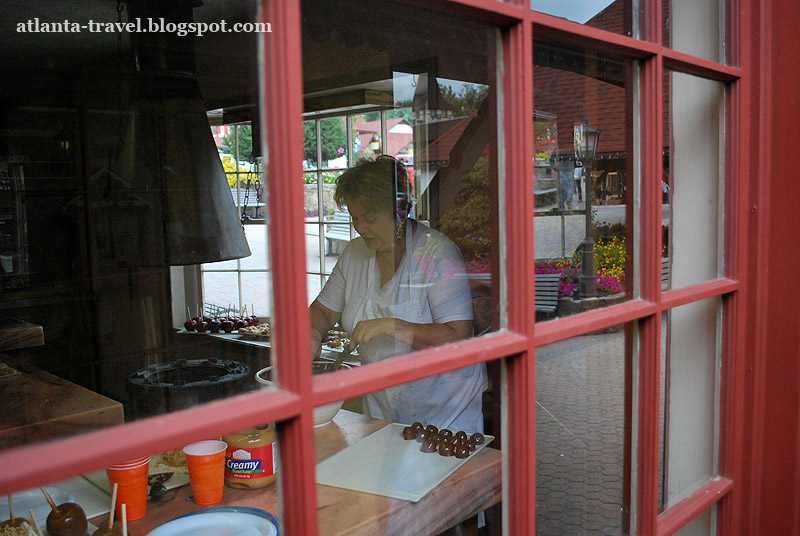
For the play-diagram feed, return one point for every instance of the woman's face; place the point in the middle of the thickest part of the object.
(375, 225)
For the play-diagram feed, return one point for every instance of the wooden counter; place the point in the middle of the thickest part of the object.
(474, 487)
(15, 334)
(38, 406)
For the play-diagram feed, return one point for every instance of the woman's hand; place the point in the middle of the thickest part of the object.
(417, 336)
(316, 344)
(366, 330)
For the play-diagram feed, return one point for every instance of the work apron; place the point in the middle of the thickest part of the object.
(450, 400)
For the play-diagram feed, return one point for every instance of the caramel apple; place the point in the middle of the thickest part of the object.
(68, 519)
(115, 530)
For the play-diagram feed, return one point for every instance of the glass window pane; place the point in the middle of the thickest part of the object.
(696, 28)
(583, 136)
(690, 407)
(120, 198)
(220, 290)
(334, 142)
(256, 296)
(419, 269)
(702, 525)
(311, 192)
(257, 239)
(310, 144)
(409, 481)
(610, 15)
(693, 179)
(582, 418)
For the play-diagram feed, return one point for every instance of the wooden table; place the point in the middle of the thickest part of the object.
(38, 406)
(475, 486)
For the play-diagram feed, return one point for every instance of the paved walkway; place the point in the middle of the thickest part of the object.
(580, 432)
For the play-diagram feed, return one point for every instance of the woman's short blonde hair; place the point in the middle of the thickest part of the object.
(381, 182)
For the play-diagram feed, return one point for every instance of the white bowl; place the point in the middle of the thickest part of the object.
(322, 414)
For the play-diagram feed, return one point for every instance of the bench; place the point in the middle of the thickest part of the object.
(253, 204)
(339, 230)
(546, 288)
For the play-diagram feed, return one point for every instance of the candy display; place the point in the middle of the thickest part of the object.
(444, 441)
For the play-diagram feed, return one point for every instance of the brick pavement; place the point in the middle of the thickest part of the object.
(580, 424)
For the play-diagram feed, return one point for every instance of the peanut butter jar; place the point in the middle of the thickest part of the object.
(250, 461)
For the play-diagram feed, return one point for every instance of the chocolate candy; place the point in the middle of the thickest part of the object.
(445, 441)
(445, 449)
(429, 445)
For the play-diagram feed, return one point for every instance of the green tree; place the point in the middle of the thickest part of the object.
(333, 135)
(245, 135)
(467, 100)
(466, 222)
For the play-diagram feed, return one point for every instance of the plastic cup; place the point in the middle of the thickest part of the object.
(131, 480)
(206, 461)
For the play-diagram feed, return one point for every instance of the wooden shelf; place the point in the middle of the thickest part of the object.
(15, 334)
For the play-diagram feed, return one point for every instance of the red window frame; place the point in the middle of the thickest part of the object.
(291, 406)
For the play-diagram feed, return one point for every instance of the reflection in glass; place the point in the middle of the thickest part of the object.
(582, 416)
(690, 406)
(693, 179)
(610, 15)
(420, 268)
(107, 183)
(582, 180)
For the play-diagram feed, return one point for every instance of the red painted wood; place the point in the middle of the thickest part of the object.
(410, 367)
(44, 463)
(650, 261)
(680, 515)
(282, 114)
(779, 426)
(519, 254)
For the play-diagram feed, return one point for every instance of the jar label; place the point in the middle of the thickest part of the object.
(249, 464)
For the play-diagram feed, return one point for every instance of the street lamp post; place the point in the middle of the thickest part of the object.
(585, 139)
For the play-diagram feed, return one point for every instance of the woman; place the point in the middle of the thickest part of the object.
(400, 287)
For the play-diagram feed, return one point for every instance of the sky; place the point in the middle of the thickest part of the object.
(574, 10)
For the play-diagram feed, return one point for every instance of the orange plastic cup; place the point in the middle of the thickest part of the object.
(206, 461)
(131, 480)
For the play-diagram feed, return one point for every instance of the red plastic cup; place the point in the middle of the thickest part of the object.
(206, 461)
(131, 480)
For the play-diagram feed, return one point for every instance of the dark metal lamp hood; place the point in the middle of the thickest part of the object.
(169, 141)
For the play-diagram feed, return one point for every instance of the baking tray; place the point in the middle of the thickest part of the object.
(383, 463)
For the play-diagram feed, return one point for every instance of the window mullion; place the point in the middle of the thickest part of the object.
(515, 149)
(282, 105)
(646, 483)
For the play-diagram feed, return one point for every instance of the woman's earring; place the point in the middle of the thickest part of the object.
(401, 231)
